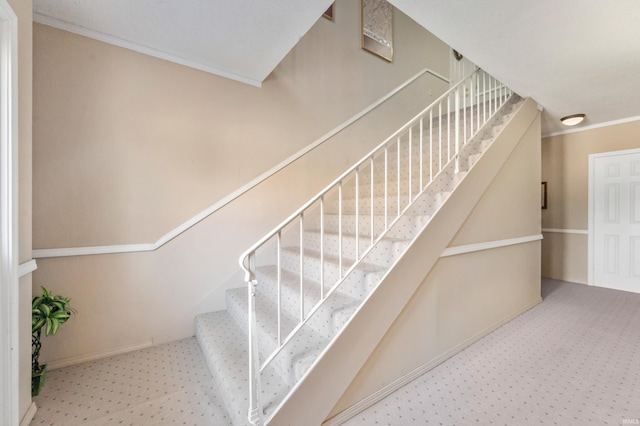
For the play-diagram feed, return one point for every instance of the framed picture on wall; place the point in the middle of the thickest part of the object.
(329, 13)
(377, 28)
(543, 195)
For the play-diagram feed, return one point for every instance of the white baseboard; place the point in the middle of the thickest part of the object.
(407, 378)
(65, 362)
(29, 415)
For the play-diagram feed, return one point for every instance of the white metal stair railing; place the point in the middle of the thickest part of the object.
(332, 237)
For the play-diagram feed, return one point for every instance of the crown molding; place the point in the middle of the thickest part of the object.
(115, 41)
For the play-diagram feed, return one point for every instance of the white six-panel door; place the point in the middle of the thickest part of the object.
(615, 220)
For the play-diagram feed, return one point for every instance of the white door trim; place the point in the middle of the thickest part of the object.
(9, 347)
(591, 203)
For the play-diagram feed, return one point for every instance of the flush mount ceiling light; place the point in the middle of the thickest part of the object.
(572, 120)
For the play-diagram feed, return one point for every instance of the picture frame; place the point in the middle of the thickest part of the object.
(377, 28)
(328, 14)
(543, 195)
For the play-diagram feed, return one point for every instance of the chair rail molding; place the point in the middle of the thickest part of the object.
(27, 267)
(131, 248)
(565, 231)
(489, 245)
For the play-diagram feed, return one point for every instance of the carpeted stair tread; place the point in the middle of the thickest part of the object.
(225, 350)
(403, 231)
(330, 316)
(356, 284)
(299, 352)
(388, 245)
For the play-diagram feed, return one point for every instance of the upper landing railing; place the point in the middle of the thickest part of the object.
(400, 168)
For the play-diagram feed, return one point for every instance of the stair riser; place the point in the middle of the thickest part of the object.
(224, 347)
(226, 389)
(428, 170)
(404, 229)
(332, 246)
(289, 290)
(427, 204)
(327, 320)
(288, 364)
(430, 149)
(446, 181)
(356, 284)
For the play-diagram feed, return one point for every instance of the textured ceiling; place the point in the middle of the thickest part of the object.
(570, 56)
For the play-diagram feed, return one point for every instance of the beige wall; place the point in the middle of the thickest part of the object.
(465, 296)
(23, 10)
(127, 147)
(565, 166)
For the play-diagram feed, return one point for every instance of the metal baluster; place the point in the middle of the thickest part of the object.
(471, 103)
(279, 279)
(340, 229)
(302, 267)
(371, 200)
(492, 85)
(504, 94)
(464, 113)
(448, 128)
(430, 145)
(357, 257)
(484, 89)
(322, 247)
(398, 176)
(478, 101)
(386, 187)
(255, 406)
(421, 154)
(492, 102)
(457, 124)
(410, 165)
(495, 97)
(439, 136)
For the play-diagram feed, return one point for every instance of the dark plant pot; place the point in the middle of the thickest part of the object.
(37, 380)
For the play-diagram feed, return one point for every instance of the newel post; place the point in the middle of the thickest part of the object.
(255, 406)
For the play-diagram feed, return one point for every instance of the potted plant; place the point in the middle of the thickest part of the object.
(48, 312)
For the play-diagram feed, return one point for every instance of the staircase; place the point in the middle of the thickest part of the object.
(310, 276)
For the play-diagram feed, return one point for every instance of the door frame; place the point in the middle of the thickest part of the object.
(9, 321)
(591, 203)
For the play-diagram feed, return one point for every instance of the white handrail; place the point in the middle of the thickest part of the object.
(143, 247)
(484, 92)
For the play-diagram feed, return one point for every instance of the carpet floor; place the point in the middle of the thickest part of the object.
(164, 385)
(574, 359)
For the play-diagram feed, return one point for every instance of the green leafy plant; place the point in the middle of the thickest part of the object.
(48, 312)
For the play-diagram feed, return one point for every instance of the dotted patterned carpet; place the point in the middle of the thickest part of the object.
(164, 385)
(572, 360)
